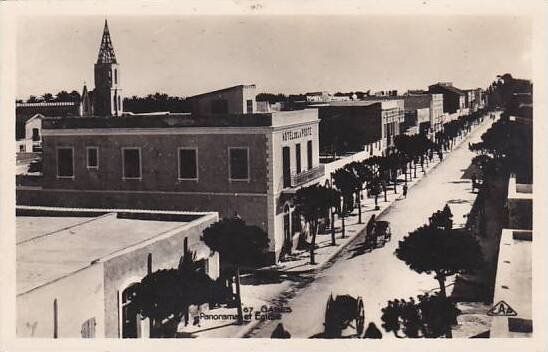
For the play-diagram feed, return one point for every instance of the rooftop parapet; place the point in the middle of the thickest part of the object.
(271, 119)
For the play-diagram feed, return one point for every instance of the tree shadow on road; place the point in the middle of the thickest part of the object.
(266, 277)
(359, 249)
(458, 201)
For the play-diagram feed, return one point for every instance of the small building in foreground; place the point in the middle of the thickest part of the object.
(76, 267)
(513, 295)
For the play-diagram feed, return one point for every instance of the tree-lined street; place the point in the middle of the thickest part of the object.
(378, 276)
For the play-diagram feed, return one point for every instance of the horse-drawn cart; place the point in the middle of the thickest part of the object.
(339, 314)
(378, 234)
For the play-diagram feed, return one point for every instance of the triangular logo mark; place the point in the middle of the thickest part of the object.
(502, 309)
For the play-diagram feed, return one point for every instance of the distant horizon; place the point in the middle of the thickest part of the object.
(188, 55)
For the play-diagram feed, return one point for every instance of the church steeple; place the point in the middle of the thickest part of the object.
(106, 51)
(107, 96)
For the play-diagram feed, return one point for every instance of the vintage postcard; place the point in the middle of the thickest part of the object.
(272, 175)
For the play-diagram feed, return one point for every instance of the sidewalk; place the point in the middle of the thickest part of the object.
(274, 285)
(300, 260)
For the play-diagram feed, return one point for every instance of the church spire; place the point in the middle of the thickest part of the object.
(106, 52)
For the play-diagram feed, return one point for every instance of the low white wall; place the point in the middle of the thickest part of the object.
(79, 297)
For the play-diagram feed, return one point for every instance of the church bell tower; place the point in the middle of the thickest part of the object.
(107, 96)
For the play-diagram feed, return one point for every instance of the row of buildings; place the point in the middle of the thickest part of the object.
(514, 277)
(229, 155)
(224, 156)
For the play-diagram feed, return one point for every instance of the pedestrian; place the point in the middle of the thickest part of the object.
(473, 182)
(372, 332)
(280, 333)
(405, 191)
(370, 224)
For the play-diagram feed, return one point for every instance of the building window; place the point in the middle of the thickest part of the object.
(249, 106)
(286, 166)
(22, 148)
(188, 164)
(219, 106)
(35, 134)
(298, 157)
(131, 163)
(239, 164)
(119, 103)
(92, 157)
(309, 154)
(65, 162)
(115, 76)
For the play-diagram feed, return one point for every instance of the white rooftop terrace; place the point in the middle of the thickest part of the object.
(513, 283)
(519, 190)
(50, 247)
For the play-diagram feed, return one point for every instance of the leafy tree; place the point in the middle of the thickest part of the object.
(375, 188)
(239, 245)
(63, 96)
(444, 252)
(271, 98)
(157, 102)
(334, 200)
(430, 317)
(406, 149)
(48, 97)
(348, 184)
(313, 202)
(394, 164)
(167, 294)
(361, 173)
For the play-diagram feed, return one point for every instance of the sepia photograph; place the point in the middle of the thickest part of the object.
(272, 176)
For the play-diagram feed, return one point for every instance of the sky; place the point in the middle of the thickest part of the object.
(187, 55)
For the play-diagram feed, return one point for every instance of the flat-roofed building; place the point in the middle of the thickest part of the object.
(513, 286)
(247, 164)
(76, 267)
(514, 277)
(433, 102)
(454, 99)
(232, 100)
(361, 124)
(412, 101)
